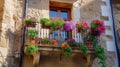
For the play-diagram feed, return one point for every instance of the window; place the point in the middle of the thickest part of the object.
(53, 13)
(62, 11)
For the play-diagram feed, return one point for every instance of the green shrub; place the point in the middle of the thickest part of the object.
(46, 21)
(57, 24)
(31, 49)
(100, 53)
(32, 33)
(84, 48)
(28, 20)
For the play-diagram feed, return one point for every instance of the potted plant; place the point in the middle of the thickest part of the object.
(69, 25)
(97, 28)
(66, 49)
(57, 24)
(32, 34)
(31, 50)
(54, 42)
(82, 27)
(45, 42)
(46, 23)
(29, 22)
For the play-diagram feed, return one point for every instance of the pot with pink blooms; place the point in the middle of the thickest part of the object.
(82, 27)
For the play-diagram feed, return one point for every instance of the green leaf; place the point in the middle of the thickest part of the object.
(84, 48)
(32, 33)
(31, 49)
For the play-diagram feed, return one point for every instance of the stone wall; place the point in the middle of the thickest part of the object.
(12, 15)
(7, 34)
(38, 9)
(90, 10)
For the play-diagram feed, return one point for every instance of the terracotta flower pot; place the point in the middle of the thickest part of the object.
(32, 40)
(54, 42)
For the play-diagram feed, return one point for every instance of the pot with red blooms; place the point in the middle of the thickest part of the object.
(97, 28)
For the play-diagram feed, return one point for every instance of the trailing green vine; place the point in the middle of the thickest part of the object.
(31, 49)
(84, 48)
(100, 53)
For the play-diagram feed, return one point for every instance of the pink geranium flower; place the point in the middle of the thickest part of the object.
(82, 27)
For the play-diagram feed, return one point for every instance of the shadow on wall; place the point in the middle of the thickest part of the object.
(14, 44)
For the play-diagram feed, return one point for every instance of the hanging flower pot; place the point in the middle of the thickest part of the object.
(57, 24)
(46, 23)
(29, 22)
(97, 28)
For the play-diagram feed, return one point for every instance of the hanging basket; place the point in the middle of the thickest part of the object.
(33, 24)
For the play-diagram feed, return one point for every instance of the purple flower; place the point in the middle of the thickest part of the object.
(69, 25)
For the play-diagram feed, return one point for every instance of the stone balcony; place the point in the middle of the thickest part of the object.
(52, 57)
